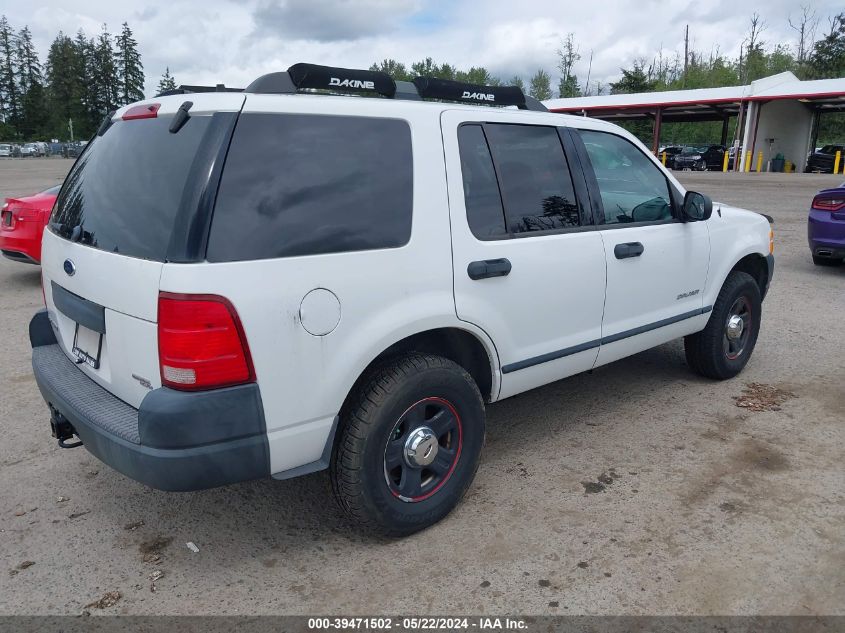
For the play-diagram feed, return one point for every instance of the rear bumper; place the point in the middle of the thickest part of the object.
(22, 249)
(826, 235)
(175, 441)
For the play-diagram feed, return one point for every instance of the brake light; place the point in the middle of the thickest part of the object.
(146, 111)
(201, 343)
(828, 203)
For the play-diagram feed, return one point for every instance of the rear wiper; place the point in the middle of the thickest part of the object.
(181, 117)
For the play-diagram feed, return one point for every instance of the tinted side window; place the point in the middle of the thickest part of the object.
(481, 190)
(633, 189)
(536, 183)
(300, 184)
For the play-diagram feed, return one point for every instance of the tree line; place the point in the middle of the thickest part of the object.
(807, 57)
(82, 79)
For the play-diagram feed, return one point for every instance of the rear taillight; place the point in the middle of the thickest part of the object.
(201, 343)
(829, 203)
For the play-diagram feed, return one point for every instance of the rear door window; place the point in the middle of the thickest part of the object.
(301, 184)
(482, 199)
(534, 175)
(124, 193)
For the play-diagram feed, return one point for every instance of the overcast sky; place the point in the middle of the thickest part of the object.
(213, 41)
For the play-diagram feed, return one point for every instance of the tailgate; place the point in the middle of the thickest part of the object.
(124, 290)
(129, 204)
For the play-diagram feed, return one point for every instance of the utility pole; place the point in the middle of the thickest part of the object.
(686, 53)
(589, 72)
(70, 127)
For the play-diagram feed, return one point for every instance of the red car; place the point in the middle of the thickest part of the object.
(22, 221)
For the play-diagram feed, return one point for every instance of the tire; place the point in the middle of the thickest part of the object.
(712, 352)
(702, 166)
(372, 476)
(826, 261)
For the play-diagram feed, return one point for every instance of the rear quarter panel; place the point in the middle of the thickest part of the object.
(385, 295)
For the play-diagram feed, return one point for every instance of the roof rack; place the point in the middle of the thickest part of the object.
(313, 77)
(185, 89)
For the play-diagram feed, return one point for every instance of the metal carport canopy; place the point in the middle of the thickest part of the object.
(708, 104)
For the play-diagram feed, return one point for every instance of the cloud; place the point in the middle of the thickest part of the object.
(235, 41)
(329, 21)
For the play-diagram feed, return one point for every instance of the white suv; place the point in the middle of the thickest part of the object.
(242, 284)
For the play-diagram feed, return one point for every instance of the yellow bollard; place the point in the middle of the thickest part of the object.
(663, 158)
(725, 161)
(759, 162)
(836, 162)
(748, 162)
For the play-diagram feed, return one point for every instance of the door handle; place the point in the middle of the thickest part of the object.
(629, 249)
(489, 268)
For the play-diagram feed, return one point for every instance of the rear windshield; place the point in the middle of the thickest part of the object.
(123, 193)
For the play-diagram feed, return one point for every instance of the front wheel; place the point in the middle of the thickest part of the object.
(722, 349)
(409, 445)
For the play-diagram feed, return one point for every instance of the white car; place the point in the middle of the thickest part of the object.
(345, 283)
(5, 150)
(29, 149)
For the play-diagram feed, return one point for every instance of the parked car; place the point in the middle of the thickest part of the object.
(671, 152)
(22, 222)
(30, 150)
(5, 150)
(826, 227)
(824, 160)
(701, 158)
(74, 149)
(353, 301)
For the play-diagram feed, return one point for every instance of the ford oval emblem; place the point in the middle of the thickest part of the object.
(70, 268)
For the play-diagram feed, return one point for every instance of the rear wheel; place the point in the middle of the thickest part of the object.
(409, 446)
(826, 261)
(722, 349)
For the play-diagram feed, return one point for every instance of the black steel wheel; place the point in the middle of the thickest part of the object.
(408, 445)
(722, 349)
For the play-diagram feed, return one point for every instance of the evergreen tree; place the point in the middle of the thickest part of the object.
(83, 71)
(34, 118)
(633, 80)
(517, 81)
(130, 70)
(393, 68)
(540, 85)
(64, 91)
(167, 82)
(104, 74)
(29, 66)
(9, 74)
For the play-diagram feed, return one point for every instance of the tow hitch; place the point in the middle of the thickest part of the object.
(63, 430)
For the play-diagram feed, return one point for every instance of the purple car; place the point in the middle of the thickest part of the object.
(826, 227)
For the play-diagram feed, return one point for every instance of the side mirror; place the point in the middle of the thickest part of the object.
(697, 207)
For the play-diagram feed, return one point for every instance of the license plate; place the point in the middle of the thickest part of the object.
(87, 345)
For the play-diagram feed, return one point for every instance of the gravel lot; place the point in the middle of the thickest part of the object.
(701, 506)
